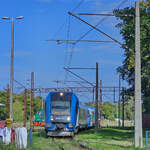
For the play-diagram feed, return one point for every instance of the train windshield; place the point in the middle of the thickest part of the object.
(60, 104)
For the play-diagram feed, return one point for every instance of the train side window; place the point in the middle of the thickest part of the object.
(77, 107)
(88, 113)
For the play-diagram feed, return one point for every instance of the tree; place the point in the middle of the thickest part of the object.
(3, 99)
(18, 105)
(127, 30)
(109, 111)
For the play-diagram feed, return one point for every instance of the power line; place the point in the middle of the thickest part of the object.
(82, 68)
(74, 89)
(121, 4)
(71, 54)
(68, 35)
(58, 31)
(85, 34)
(110, 15)
(78, 5)
(67, 46)
(68, 32)
(60, 81)
(96, 29)
(73, 41)
(79, 77)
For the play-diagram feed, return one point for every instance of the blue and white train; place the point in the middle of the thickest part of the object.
(64, 116)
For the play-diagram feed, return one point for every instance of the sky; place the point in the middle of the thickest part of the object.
(49, 19)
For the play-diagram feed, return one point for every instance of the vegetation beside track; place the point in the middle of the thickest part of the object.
(104, 139)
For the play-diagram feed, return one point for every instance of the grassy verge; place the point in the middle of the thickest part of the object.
(104, 139)
(108, 138)
(7, 147)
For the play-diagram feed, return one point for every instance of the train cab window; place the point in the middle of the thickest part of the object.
(60, 104)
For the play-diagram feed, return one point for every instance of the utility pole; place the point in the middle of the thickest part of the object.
(114, 95)
(12, 62)
(32, 98)
(25, 106)
(119, 103)
(138, 137)
(123, 100)
(31, 109)
(7, 103)
(42, 103)
(96, 101)
(101, 104)
(12, 69)
(93, 94)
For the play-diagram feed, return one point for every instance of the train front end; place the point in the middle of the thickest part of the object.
(61, 114)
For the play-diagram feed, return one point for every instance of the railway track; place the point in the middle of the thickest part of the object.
(62, 142)
(80, 145)
(83, 145)
(60, 147)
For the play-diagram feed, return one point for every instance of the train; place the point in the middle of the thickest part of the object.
(64, 115)
(39, 119)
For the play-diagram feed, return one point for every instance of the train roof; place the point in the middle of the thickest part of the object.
(66, 92)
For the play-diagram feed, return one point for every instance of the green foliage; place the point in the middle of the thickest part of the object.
(18, 111)
(18, 106)
(109, 111)
(3, 99)
(128, 108)
(8, 147)
(127, 30)
(147, 105)
(108, 138)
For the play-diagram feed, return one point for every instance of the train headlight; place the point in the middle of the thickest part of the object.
(70, 125)
(61, 94)
(52, 118)
(68, 118)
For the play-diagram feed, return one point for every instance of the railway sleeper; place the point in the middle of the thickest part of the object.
(83, 145)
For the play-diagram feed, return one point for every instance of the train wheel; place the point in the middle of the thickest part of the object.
(46, 133)
(72, 136)
(76, 130)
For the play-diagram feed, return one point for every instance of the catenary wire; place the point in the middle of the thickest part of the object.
(104, 18)
(68, 36)
(73, 45)
(71, 55)
(78, 5)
